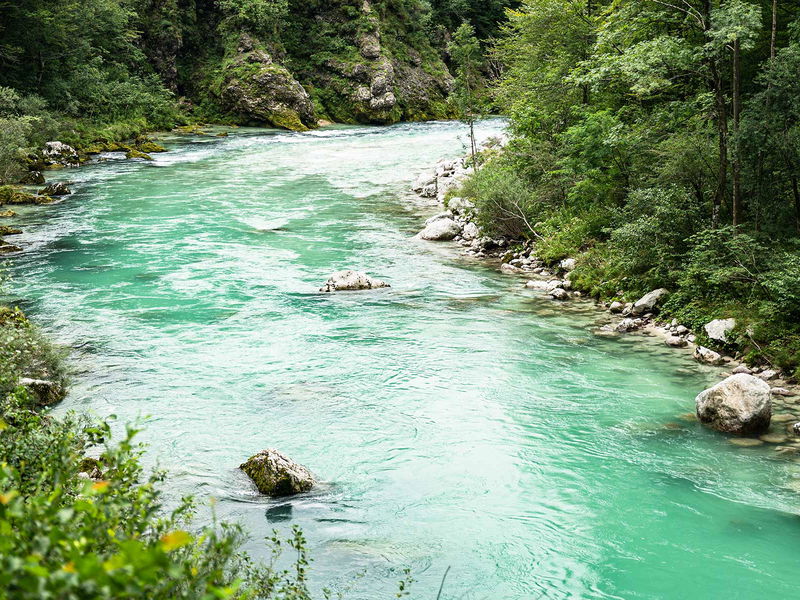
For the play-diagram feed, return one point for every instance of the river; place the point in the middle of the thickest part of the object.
(456, 419)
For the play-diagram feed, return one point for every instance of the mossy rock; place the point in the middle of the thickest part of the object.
(274, 474)
(6, 248)
(5, 214)
(32, 178)
(134, 153)
(13, 317)
(12, 195)
(148, 146)
(8, 230)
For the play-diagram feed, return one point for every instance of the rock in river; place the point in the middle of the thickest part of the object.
(740, 404)
(277, 475)
(351, 280)
(440, 230)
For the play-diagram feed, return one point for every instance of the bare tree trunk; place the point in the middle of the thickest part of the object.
(472, 144)
(722, 129)
(737, 188)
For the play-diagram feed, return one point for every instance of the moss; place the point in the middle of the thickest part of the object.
(13, 317)
(12, 195)
(134, 153)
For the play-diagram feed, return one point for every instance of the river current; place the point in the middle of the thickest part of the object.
(456, 419)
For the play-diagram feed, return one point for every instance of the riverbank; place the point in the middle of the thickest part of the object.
(458, 222)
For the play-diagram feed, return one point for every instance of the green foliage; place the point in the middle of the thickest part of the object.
(80, 519)
(636, 125)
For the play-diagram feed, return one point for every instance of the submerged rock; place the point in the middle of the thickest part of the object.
(275, 474)
(351, 280)
(740, 404)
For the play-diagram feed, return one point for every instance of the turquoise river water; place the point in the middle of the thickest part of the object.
(456, 419)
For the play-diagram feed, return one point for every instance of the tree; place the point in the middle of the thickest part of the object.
(465, 51)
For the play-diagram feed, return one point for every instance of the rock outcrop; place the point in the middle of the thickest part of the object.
(740, 404)
(264, 92)
(274, 474)
(351, 280)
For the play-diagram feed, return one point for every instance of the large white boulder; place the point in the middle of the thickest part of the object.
(351, 280)
(440, 229)
(718, 329)
(649, 302)
(740, 404)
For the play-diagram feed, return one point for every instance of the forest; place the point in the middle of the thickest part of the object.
(656, 142)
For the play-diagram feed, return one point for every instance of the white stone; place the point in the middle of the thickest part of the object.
(649, 301)
(740, 404)
(351, 280)
(440, 229)
(718, 329)
(708, 356)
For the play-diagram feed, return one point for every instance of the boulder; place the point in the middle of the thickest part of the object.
(60, 153)
(509, 268)
(708, 356)
(768, 374)
(470, 231)
(780, 391)
(277, 475)
(460, 205)
(740, 404)
(351, 280)
(423, 180)
(44, 391)
(58, 188)
(742, 369)
(718, 329)
(616, 307)
(559, 294)
(440, 229)
(536, 284)
(675, 341)
(649, 302)
(568, 264)
(628, 325)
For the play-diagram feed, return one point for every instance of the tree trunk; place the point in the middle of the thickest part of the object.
(722, 131)
(737, 188)
(472, 144)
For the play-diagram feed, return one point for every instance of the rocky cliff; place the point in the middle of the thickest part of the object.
(348, 61)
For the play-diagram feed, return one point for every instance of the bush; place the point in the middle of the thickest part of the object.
(96, 528)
